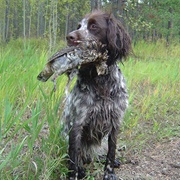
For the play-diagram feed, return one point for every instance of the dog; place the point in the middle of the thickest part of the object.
(96, 105)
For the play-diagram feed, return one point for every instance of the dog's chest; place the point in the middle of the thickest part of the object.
(97, 105)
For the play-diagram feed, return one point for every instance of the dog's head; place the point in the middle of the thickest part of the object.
(105, 28)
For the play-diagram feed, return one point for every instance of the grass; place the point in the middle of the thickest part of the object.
(30, 142)
(153, 80)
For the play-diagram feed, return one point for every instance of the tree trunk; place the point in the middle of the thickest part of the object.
(15, 21)
(54, 6)
(170, 24)
(50, 35)
(24, 18)
(37, 25)
(95, 4)
(6, 22)
(30, 20)
(67, 21)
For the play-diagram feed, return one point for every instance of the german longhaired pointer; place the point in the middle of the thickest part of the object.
(96, 105)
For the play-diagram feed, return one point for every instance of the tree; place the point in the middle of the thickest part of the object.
(96, 4)
(53, 19)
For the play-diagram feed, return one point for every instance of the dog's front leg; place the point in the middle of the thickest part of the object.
(109, 166)
(74, 152)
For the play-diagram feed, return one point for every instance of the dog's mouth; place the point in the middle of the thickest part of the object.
(74, 43)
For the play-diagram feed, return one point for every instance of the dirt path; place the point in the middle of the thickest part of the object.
(159, 162)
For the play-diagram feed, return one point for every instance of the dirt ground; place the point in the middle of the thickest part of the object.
(158, 162)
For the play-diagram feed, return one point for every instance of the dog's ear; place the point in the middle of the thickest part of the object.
(119, 41)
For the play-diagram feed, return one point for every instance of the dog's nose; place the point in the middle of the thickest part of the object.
(72, 38)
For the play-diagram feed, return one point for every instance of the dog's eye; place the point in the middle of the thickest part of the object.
(93, 26)
(79, 26)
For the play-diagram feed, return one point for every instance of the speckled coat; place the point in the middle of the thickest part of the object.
(96, 106)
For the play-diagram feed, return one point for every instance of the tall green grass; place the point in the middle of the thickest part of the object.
(153, 78)
(30, 115)
(30, 141)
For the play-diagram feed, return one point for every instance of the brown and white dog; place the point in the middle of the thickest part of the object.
(96, 105)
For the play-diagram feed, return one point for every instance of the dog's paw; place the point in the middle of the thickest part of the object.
(72, 178)
(117, 163)
(81, 172)
(109, 177)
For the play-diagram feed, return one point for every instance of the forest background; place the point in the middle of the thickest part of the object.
(144, 19)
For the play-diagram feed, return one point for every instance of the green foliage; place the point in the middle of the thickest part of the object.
(31, 144)
(152, 20)
(145, 19)
(136, 20)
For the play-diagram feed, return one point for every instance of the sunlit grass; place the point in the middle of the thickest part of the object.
(30, 142)
(30, 117)
(154, 87)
